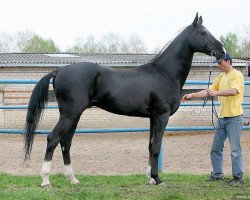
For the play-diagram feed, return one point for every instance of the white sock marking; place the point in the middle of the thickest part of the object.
(45, 173)
(70, 174)
(152, 181)
(148, 172)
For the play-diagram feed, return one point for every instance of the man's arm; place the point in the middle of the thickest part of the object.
(204, 93)
(228, 92)
(200, 94)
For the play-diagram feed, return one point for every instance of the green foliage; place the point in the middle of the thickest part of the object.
(81, 46)
(39, 45)
(245, 48)
(235, 45)
(176, 186)
(231, 44)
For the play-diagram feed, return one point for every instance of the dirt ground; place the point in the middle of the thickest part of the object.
(119, 153)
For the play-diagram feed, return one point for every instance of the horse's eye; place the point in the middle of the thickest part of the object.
(203, 33)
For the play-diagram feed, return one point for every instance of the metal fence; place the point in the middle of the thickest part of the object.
(115, 130)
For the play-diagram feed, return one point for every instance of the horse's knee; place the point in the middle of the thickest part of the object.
(155, 151)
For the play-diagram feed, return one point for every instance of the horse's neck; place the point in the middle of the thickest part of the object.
(177, 58)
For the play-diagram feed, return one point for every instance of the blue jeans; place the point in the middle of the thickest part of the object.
(230, 127)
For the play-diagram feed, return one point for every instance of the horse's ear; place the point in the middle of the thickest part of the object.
(195, 20)
(200, 20)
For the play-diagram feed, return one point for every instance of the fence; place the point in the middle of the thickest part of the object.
(112, 130)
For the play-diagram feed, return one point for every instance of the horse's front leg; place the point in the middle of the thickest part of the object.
(158, 124)
(148, 170)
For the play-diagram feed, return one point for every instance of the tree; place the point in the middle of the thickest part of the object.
(22, 38)
(7, 43)
(39, 45)
(109, 43)
(245, 42)
(136, 45)
(231, 44)
(82, 46)
(245, 49)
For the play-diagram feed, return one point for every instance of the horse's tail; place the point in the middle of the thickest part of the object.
(39, 98)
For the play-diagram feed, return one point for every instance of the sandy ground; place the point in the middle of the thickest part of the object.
(119, 153)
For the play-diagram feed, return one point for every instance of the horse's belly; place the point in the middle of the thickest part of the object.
(124, 109)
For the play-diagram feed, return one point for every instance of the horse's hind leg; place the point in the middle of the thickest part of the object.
(63, 132)
(52, 141)
(65, 146)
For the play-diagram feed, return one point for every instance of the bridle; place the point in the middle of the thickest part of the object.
(204, 42)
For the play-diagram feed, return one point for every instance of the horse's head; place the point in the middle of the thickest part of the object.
(201, 40)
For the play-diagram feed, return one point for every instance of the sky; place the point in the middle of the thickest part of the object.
(155, 21)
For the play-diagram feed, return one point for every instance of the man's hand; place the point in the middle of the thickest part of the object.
(187, 97)
(212, 93)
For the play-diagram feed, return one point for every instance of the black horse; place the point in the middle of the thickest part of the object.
(151, 90)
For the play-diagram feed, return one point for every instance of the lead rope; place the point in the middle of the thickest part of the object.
(214, 112)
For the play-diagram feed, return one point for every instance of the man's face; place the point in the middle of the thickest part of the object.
(224, 66)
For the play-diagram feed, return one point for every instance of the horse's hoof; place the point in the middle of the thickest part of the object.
(47, 186)
(155, 181)
(152, 181)
(158, 181)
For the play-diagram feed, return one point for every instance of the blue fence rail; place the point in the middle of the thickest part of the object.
(244, 104)
(26, 81)
(115, 130)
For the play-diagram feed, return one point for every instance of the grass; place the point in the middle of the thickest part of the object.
(176, 186)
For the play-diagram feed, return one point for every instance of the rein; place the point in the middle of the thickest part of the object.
(214, 112)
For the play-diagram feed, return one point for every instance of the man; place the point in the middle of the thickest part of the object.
(229, 88)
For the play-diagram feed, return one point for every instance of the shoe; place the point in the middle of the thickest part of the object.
(236, 182)
(212, 178)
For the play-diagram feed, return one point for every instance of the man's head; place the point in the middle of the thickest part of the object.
(225, 64)
(228, 57)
